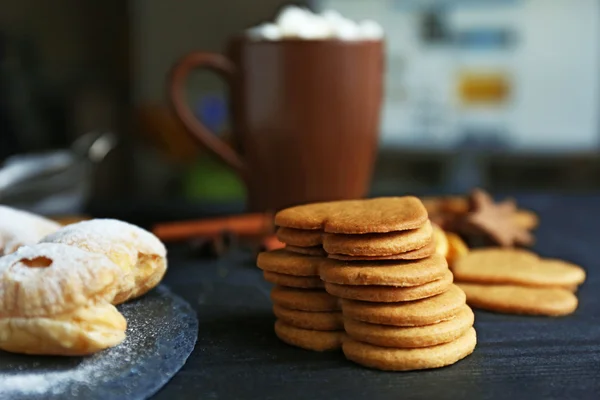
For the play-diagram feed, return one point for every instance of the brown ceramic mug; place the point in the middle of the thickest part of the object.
(305, 116)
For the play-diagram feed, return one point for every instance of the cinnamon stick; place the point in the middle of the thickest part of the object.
(245, 224)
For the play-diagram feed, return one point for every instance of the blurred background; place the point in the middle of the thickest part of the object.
(502, 94)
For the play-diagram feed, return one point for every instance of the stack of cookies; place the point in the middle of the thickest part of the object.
(401, 310)
(307, 316)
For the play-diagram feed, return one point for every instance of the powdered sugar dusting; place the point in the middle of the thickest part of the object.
(18, 228)
(73, 277)
(63, 257)
(106, 235)
(162, 331)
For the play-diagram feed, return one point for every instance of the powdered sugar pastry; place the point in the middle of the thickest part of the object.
(19, 228)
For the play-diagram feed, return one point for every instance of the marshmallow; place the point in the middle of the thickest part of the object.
(266, 31)
(369, 29)
(292, 20)
(346, 29)
(296, 22)
(318, 28)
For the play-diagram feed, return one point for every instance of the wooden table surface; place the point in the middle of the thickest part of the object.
(237, 355)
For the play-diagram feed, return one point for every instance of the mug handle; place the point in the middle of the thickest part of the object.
(178, 77)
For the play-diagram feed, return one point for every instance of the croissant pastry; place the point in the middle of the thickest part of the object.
(19, 228)
(140, 255)
(56, 300)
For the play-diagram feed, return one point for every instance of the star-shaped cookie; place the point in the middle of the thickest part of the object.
(495, 221)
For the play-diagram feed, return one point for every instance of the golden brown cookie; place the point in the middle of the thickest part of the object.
(380, 215)
(455, 205)
(309, 339)
(508, 266)
(494, 221)
(304, 299)
(316, 251)
(417, 254)
(576, 274)
(305, 282)
(411, 313)
(320, 320)
(389, 294)
(287, 262)
(385, 273)
(441, 241)
(378, 244)
(299, 237)
(456, 248)
(526, 219)
(389, 359)
(459, 205)
(413, 336)
(512, 299)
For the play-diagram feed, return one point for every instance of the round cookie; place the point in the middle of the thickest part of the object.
(568, 275)
(309, 339)
(299, 237)
(414, 336)
(303, 282)
(417, 254)
(519, 267)
(378, 244)
(388, 359)
(441, 241)
(304, 299)
(456, 248)
(19, 228)
(380, 215)
(316, 251)
(390, 273)
(389, 294)
(286, 262)
(412, 313)
(320, 321)
(520, 300)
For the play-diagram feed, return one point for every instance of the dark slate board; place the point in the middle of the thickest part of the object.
(162, 331)
(517, 357)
